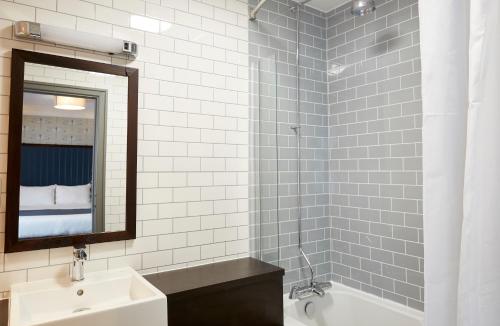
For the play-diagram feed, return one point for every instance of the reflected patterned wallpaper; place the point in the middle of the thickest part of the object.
(57, 131)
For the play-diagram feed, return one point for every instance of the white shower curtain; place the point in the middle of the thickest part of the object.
(460, 43)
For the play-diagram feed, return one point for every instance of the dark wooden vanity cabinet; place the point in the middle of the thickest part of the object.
(4, 312)
(239, 292)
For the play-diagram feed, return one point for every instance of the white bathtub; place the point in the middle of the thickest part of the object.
(345, 306)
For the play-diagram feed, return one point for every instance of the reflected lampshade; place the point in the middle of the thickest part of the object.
(70, 103)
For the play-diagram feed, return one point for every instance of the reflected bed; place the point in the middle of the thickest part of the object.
(43, 222)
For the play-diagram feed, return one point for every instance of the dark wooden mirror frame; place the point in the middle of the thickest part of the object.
(12, 241)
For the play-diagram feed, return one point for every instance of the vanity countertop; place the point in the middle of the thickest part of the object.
(212, 275)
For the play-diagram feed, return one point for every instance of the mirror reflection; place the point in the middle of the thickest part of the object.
(73, 152)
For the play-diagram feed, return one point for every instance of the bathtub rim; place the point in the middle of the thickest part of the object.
(384, 302)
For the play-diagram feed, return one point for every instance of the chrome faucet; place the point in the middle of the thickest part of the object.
(79, 256)
(311, 289)
(320, 287)
(307, 291)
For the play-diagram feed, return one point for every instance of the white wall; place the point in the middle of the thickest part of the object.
(193, 129)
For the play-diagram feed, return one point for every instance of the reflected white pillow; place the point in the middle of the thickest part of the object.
(36, 196)
(73, 195)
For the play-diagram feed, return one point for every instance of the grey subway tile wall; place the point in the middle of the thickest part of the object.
(375, 150)
(272, 48)
(361, 146)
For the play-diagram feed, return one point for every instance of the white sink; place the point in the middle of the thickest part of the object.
(119, 297)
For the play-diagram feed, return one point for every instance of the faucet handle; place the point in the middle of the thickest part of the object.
(318, 290)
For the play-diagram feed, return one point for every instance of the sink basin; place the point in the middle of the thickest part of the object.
(118, 297)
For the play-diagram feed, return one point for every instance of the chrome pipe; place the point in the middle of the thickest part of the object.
(296, 128)
(254, 11)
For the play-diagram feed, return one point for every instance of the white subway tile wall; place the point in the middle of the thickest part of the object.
(193, 129)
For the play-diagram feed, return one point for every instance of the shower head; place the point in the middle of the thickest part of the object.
(362, 7)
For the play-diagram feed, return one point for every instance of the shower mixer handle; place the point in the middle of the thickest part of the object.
(310, 290)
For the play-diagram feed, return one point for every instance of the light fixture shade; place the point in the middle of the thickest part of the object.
(70, 37)
(70, 103)
(362, 7)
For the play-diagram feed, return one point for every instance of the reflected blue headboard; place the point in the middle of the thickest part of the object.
(43, 165)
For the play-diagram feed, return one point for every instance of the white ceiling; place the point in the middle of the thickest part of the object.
(326, 5)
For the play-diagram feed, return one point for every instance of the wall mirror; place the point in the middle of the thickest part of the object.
(72, 157)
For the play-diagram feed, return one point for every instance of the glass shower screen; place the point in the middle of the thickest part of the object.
(264, 176)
